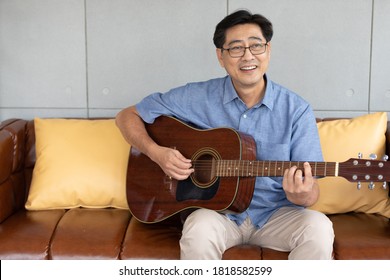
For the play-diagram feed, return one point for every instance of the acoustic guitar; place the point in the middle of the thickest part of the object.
(225, 167)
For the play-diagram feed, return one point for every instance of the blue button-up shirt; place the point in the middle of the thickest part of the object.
(282, 124)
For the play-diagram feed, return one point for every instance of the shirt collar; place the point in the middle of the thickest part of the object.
(231, 94)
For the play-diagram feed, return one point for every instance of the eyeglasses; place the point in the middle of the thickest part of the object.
(239, 51)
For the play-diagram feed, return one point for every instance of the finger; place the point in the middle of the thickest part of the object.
(180, 156)
(298, 176)
(288, 179)
(180, 174)
(307, 169)
(182, 162)
(179, 167)
(309, 180)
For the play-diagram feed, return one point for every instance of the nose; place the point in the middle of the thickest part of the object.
(247, 54)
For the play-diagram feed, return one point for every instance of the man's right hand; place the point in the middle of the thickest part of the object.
(172, 162)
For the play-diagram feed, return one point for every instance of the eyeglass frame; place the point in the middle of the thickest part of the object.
(245, 48)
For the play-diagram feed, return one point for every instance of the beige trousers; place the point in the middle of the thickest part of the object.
(305, 233)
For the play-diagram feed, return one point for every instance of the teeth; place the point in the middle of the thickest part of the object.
(248, 67)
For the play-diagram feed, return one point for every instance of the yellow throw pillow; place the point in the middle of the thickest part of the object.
(340, 141)
(79, 163)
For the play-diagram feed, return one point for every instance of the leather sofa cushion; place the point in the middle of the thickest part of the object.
(360, 236)
(27, 234)
(151, 241)
(90, 234)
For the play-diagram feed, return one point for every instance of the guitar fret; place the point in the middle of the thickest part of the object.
(276, 165)
(227, 168)
(325, 169)
(262, 170)
(255, 169)
(269, 168)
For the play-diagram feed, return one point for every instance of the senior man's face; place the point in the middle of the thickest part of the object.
(247, 71)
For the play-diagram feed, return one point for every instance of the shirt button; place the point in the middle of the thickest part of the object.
(244, 116)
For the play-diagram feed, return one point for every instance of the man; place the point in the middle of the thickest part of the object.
(284, 128)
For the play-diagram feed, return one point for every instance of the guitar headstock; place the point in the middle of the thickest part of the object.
(366, 170)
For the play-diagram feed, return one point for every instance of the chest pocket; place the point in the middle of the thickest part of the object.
(273, 151)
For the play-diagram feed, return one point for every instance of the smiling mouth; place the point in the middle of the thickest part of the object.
(248, 68)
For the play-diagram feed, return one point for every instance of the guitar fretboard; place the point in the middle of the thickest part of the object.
(248, 168)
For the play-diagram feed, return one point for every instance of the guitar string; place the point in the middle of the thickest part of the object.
(239, 166)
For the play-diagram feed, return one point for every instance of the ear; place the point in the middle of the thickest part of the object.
(269, 49)
(220, 57)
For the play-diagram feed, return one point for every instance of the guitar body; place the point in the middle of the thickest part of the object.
(153, 197)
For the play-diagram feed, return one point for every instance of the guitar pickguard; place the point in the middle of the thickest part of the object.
(187, 190)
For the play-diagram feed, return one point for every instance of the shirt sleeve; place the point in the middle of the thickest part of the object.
(305, 142)
(171, 103)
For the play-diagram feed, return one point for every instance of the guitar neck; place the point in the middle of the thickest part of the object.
(248, 168)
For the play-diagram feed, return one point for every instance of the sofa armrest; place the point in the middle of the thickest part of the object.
(388, 139)
(6, 194)
(12, 177)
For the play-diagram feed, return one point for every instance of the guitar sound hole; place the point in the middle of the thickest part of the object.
(204, 165)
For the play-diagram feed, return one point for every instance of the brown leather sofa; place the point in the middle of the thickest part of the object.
(109, 233)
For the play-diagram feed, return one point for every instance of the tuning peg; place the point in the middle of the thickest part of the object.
(359, 185)
(360, 155)
(385, 157)
(373, 156)
(384, 185)
(371, 185)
